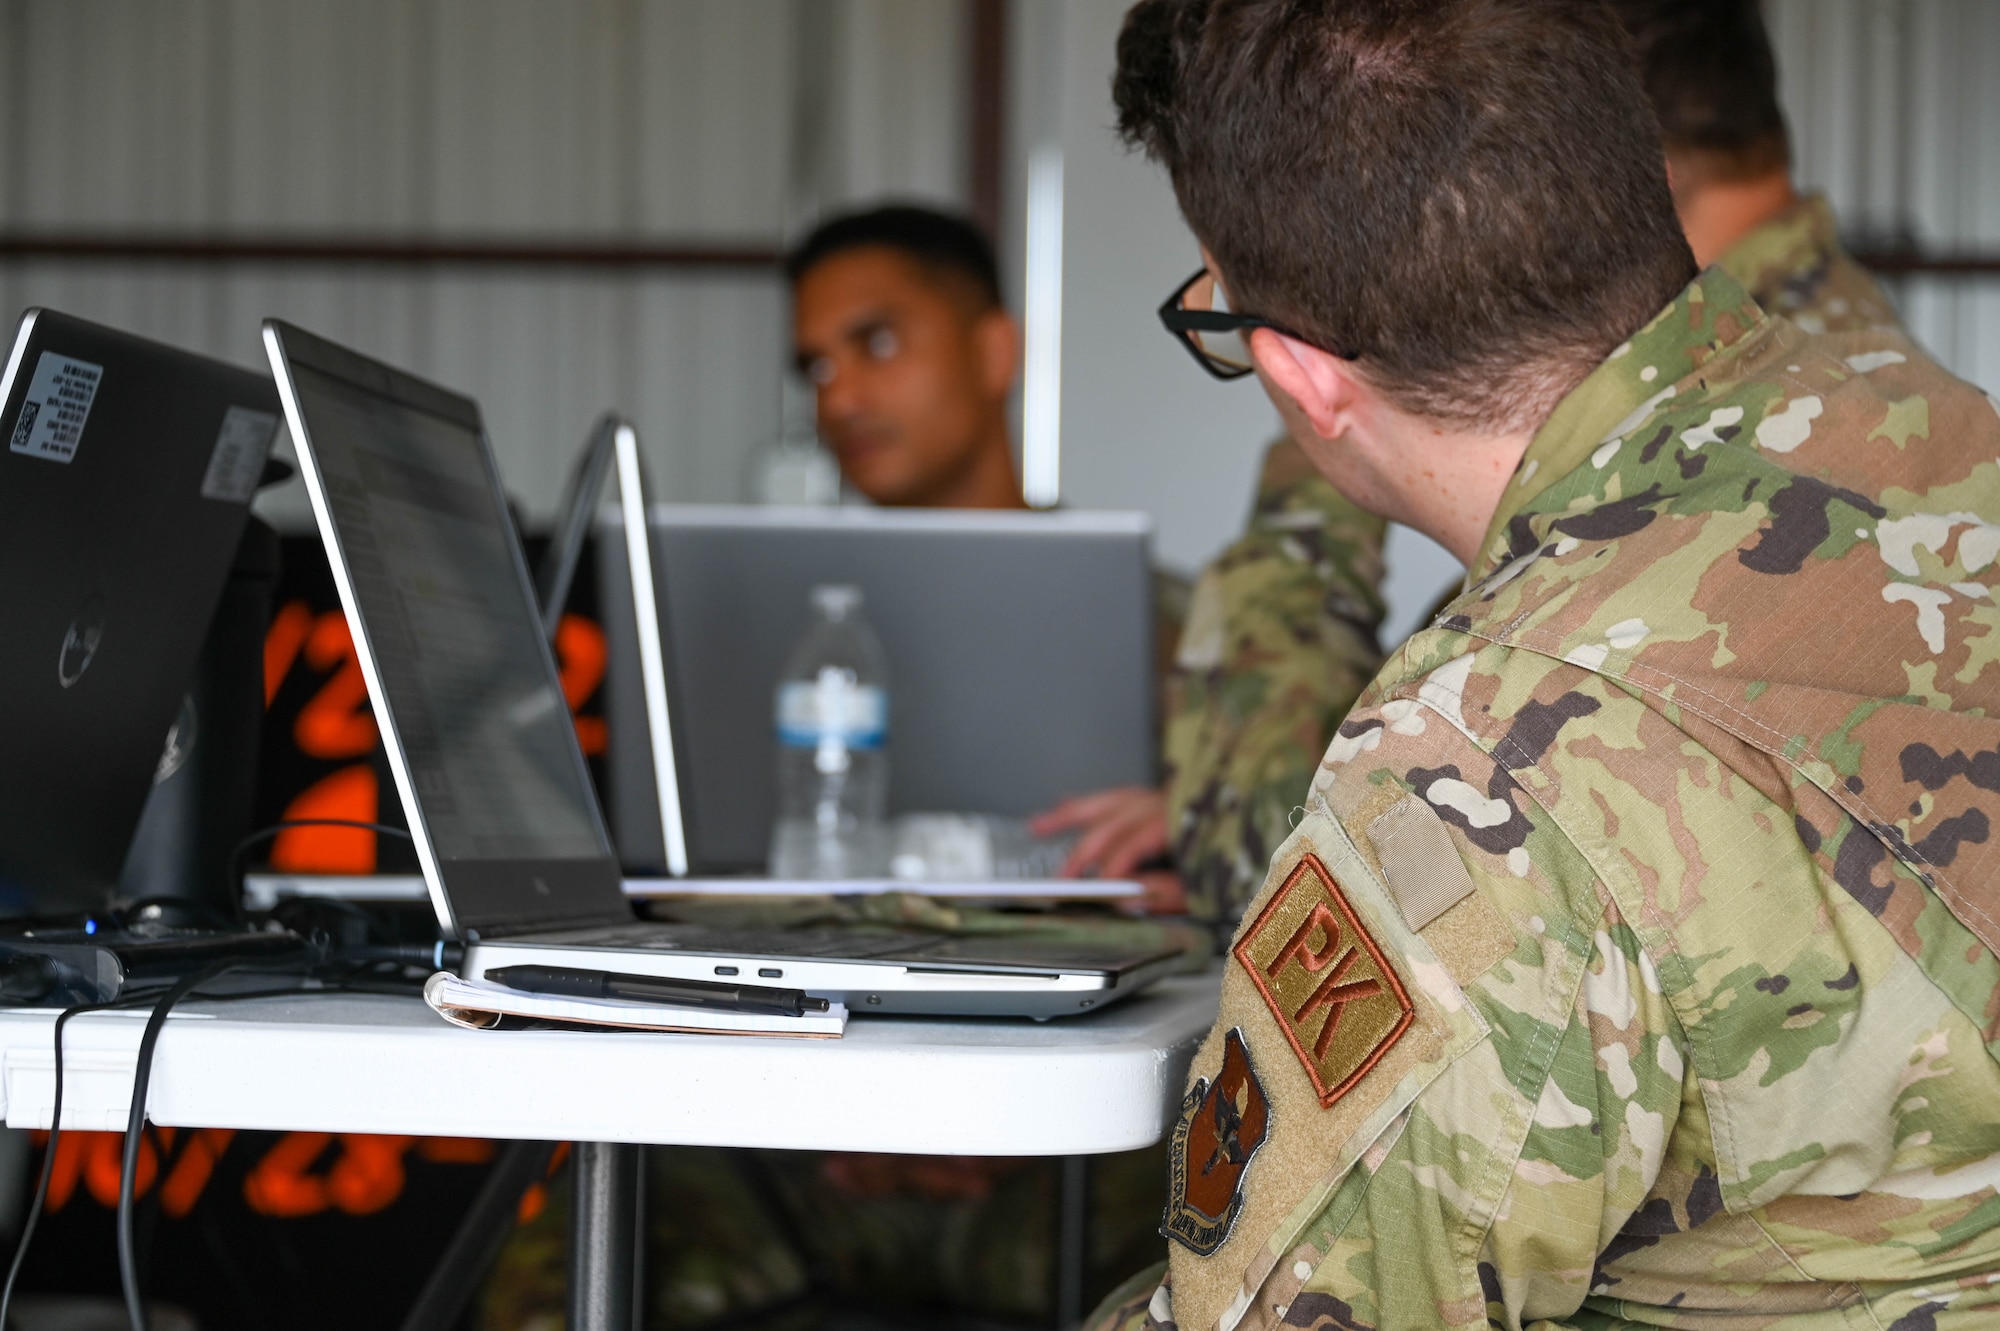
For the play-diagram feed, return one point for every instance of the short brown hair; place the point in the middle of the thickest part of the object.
(1468, 194)
(1707, 68)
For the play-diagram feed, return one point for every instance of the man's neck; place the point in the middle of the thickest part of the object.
(986, 481)
(1717, 215)
(1463, 479)
(1445, 483)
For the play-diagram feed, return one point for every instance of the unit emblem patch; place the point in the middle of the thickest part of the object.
(1221, 1126)
(1335, 996)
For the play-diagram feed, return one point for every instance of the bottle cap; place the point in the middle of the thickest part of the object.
(836, 600)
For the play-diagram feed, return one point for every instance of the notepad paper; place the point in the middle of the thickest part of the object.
(481, 1005)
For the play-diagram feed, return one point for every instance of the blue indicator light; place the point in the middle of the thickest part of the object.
(90, 926)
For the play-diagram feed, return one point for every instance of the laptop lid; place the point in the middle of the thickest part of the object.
(613, 449)
(1020, 651)
(124, 486)
(557, 570)
(464, 686)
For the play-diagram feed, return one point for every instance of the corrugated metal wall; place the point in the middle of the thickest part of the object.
(669, 121)
(1895, 114)
(662, 121)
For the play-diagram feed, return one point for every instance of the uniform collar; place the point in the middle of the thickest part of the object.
(1710, 316)
(1800, 239)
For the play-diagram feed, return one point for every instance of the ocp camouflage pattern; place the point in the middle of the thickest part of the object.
(1716, 734)
(1280, 640)
(1794, 266)
(1282, 634)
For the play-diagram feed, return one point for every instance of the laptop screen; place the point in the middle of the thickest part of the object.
(458, 670)
(485, 732)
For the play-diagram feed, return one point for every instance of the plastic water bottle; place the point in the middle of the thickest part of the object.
(833, 760)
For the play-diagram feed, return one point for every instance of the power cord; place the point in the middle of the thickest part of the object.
(48, 1160)
(135, 1123)
(360, 979)
(142, 1075)
(236, 867)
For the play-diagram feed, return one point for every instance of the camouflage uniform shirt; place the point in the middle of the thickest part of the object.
(1280, 640)
(1281, 637)
(1634, 961)
(1793, 265)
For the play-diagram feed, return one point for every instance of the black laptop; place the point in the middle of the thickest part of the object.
(124, 487)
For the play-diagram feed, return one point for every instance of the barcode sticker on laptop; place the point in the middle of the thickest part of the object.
(58, 403)
(238, 459)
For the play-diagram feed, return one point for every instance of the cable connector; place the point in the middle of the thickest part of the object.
(443, 955)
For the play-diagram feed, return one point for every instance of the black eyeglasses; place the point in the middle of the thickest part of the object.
(1198, 317)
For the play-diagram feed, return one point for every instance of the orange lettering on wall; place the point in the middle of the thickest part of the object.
(332, 724)
(105, 1155)
(68, 1167)
(580, 658)
(350, 793)
(280, 1184)
(366, 1176)
(536, 1198)
(369, 1173)
(281, 644)
(192, 1171)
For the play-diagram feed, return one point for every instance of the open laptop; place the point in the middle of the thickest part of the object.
(1020, 649)
(506, 827)
(124, 488)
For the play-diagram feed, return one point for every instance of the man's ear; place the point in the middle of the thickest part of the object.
(997, 343)
(1318, 382)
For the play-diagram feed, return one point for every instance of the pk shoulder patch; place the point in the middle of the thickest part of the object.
(1337, 999)
(1221, 1126)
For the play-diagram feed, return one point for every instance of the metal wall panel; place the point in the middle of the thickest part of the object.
(655, 120)
(1895, 116)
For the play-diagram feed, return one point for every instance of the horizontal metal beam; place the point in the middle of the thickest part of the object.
(385, 251)
(1901, 263)
(589, 253)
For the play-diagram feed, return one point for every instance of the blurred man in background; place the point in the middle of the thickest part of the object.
(899, 327)
(1281, 628)
(898, 324)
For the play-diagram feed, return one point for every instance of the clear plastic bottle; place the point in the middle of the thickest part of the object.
(833, 758)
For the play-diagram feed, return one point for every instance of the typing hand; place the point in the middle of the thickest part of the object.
(1120, 829)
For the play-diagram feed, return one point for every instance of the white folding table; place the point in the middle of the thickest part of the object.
(1084, 1085)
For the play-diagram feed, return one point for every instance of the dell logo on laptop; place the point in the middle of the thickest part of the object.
(80, 641)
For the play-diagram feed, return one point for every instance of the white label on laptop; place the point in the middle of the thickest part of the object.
(238, 459)
(58, 403)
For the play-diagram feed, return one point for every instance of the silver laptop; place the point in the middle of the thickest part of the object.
(506, 827)
(1020, 650)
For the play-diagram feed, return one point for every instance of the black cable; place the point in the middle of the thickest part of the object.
(236, 871)
(48, 1162)
(128, 1265)
(142, 1075)
(128, 1174)
(134, 1127)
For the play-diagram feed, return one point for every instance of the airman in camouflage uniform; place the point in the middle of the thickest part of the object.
(1281, 635)
(1636, 958)
(1666, 857)
(1281, 631)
